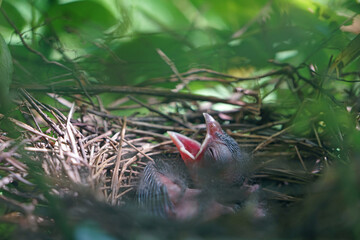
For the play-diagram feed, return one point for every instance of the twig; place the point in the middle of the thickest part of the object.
(156, 126)
(149, 133)
(25, 208)
(160, 113)
(97, 89)
(29, 128)
(174, 69)
(270, 139)
(29, 98)
(235, 79)
(300, 158)
(267, 125)
(115, 178)
(139, 151)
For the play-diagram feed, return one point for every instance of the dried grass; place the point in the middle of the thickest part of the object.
(88, 146)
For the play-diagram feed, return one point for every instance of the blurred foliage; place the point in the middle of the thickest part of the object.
(114, 42)
(6, 70)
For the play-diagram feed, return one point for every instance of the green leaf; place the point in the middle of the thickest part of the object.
(82, 17)
(6, 70)
(347, 55)
(14, 14)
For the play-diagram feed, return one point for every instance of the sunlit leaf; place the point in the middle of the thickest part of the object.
(347, 55)
(14, 14)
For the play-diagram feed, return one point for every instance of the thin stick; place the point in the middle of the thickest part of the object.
(160, 113)
(174, 69)
(115, 178)
(97, 89)
(300, 158)
(270, 139)
(29, 98)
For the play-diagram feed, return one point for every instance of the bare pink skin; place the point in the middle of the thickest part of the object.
(187, 205)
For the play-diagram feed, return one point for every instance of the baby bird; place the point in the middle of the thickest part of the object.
(204, 183)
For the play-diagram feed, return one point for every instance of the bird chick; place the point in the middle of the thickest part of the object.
(201, 183)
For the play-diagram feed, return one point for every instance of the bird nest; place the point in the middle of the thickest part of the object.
(82, 145)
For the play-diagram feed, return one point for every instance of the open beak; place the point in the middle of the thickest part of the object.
(191, 151)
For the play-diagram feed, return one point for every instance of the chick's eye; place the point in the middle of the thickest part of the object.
(212, 152)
